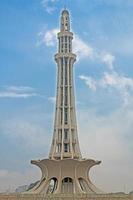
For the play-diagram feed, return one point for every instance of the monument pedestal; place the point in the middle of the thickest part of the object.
(68, 176)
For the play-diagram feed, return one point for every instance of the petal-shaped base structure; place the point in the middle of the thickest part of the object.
(67, 176)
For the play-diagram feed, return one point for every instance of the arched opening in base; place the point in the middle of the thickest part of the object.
(52, 186)
(67, 186)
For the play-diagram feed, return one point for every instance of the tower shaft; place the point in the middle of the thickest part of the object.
(65, 142)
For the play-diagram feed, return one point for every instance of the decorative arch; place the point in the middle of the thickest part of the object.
(67, 186)
(53, 182)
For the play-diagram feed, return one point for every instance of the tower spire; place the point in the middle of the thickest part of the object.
(65, 21)
(65, 142)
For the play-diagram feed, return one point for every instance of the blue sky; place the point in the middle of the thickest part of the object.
(104, 87)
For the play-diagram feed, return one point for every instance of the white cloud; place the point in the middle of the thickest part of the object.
(49, 5)
(89, 82)
(108, 138)
(19, 88)
(108, 59)
(17, 92)
(49, 37)
(52, 99)
(81, 48)
(26, 132)
(16, 95)
(122, 84)
(116, 80)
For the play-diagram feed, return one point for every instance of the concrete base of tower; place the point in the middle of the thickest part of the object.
(68, 176)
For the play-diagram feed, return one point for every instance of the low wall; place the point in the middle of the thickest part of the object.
(65, 197)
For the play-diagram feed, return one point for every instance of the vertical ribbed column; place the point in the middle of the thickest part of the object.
(65, 142)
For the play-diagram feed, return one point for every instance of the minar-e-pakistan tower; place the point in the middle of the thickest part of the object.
(65, 172)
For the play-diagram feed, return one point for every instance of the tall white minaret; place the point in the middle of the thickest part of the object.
(65, 172)
(65, 142)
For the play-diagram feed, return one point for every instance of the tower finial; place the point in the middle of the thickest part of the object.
(65, 20)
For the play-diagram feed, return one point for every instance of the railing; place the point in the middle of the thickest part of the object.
(66, 197)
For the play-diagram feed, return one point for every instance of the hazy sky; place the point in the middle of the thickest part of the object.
(103, 43)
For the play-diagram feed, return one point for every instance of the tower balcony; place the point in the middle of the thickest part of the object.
(67, 155)
(64, 33)
(65, 55)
